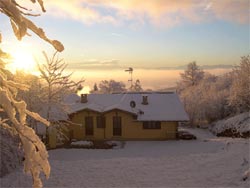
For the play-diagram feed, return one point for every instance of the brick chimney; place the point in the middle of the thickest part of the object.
(145, 100)
(84, 98)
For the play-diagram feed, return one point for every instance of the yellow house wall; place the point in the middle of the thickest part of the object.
(79, 131)
(131, 129)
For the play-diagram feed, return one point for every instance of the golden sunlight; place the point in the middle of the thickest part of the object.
(22, 60)
(85, 90)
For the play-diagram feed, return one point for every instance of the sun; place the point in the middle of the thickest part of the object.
(84, 90)
(22, 60)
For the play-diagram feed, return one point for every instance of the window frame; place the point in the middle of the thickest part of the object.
(101, 121)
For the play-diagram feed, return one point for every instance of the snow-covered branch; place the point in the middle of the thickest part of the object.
(20, 24)
(36, 156)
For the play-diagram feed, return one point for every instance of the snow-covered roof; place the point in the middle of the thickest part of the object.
(160, 107)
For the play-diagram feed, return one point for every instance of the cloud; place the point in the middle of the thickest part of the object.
(165, 13)
(113, 64)
(183, 67)
(94, 64)
(79, 10)
(231, 10)
(117, 35)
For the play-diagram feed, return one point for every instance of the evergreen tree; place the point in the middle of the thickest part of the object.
(95, 89)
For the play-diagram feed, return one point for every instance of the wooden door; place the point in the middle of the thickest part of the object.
(117, 126)
(89, 126)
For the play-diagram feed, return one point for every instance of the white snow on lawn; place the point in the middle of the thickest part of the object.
(206, 162)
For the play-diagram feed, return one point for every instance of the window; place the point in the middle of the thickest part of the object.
(89, 128)
(117, 126)
(151, 125)
(134, 117)
(100, 122)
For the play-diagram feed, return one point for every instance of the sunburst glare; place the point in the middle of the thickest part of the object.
(22, 60)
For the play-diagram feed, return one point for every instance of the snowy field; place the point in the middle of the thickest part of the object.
(206, 162)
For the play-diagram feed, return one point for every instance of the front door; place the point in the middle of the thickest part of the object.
(89, 126)
(117, 126)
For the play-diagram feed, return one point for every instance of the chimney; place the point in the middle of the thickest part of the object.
(145, 100)
(84, 98)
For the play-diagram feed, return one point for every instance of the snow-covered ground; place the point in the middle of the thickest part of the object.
(206, 162)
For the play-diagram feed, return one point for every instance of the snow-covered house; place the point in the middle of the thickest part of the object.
(126, 116)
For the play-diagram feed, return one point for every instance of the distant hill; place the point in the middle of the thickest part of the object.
(183, 67)
(169, 89)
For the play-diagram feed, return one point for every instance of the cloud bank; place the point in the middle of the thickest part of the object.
(95, 64)
(164, 13)
(114, 64)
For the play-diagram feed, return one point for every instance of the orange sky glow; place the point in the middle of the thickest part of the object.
(156, 37)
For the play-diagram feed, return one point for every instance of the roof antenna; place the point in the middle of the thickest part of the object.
(130, 71)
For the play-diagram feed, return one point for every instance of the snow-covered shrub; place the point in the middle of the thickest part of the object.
(82, 143)
(237, 126)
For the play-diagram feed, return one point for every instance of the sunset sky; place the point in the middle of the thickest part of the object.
(103, 37)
